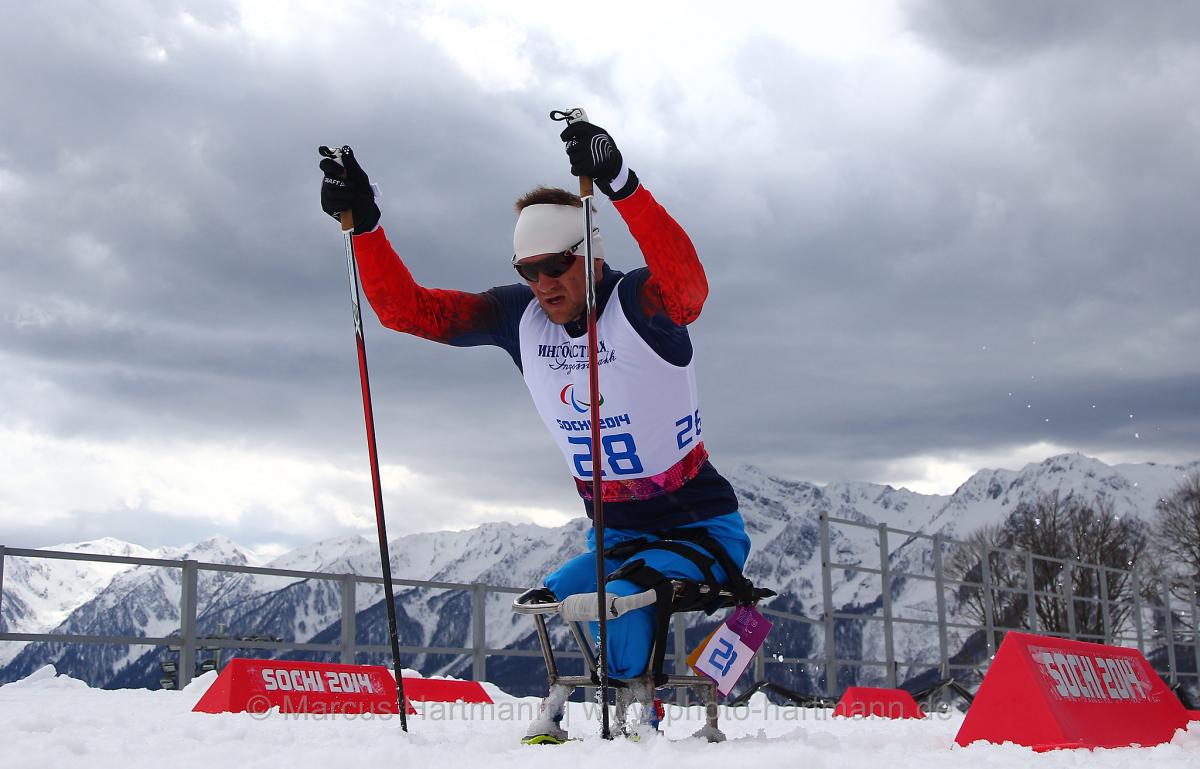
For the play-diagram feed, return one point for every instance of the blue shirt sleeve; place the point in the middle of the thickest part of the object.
(669, 340)
(503, 326)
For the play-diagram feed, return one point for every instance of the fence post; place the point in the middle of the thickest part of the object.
(187, 624)
(478, 632)
(939, 581)
(1105, 616)
(989, 611)
(1169, 626)
(1137, 608)
(679, 628)
(2, 584)
(885, 576)
(349, 619)
(1195, 625)
(1031, 588)
(827, 598)
(1069, 595)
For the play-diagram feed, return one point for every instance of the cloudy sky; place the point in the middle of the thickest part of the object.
(940, 236)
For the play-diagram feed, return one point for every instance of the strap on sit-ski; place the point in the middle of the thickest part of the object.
(640, 574)
(650, 578)
(703, 561)
(741, 588)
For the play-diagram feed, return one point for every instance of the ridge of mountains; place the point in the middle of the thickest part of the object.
(77, 597)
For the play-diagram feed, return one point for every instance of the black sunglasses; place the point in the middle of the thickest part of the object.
(552, 266)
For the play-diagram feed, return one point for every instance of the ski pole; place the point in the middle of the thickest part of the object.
(347, 219)
(575, 115)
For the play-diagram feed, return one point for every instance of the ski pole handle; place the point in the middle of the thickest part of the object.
(335, 154)
(575, 115)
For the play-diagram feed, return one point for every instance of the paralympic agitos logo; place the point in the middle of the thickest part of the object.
(567, 396)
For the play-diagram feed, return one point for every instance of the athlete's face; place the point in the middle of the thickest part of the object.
(562, 298)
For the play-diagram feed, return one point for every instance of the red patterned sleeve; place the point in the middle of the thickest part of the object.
(677, 285)
(403, 305)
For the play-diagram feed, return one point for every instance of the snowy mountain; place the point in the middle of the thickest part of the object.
(781, 517)
(986, 498)
(989, 495)
(41, 593)
(135, 601)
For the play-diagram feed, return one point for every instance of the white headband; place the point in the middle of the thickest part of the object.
(546, 228)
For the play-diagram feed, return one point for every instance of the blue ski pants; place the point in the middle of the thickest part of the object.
(631, 635)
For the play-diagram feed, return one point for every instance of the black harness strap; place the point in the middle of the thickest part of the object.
(703, 561)
(648, 577)
(739, 585)
(741, 588)
(664, 592)
(622, 550)
(640, 574)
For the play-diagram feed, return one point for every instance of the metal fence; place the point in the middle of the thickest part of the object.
(1172, 620)
(1157, 615)
(188, 641)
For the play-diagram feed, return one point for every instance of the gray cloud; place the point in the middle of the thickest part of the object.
(1024, 213)
(888, 260)
(992, 32)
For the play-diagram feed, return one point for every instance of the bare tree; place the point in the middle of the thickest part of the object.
(1081, 556)
(1041, 528)
(1105, 547)
(1177, 527)
(966, 566)
(1177, 540)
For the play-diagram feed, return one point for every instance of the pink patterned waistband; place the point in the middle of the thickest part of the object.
(633, 489)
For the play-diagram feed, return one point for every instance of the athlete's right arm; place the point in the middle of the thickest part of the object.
(451, 317)
(403, 305)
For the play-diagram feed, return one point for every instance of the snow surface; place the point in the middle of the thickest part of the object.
(56, 721)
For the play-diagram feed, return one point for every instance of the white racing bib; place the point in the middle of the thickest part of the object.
(649, 412)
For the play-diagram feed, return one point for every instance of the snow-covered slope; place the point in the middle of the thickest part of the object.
(40, 593)
(60, 722)
(781, 517)
(988, 497)
(136, 601)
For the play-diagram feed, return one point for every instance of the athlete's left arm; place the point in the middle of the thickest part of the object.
(677, 286)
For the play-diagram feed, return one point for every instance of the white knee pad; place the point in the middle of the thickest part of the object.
(585, 607)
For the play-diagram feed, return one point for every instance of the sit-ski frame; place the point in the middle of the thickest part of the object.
(562, 686)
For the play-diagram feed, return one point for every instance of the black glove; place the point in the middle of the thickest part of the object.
(347, 188)
(593, 153)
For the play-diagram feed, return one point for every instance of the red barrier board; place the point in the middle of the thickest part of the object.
(1049, 693)
(886, 703)
(256, 686)
(443, 690)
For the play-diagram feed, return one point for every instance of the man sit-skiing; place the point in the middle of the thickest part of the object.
(657, 481)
